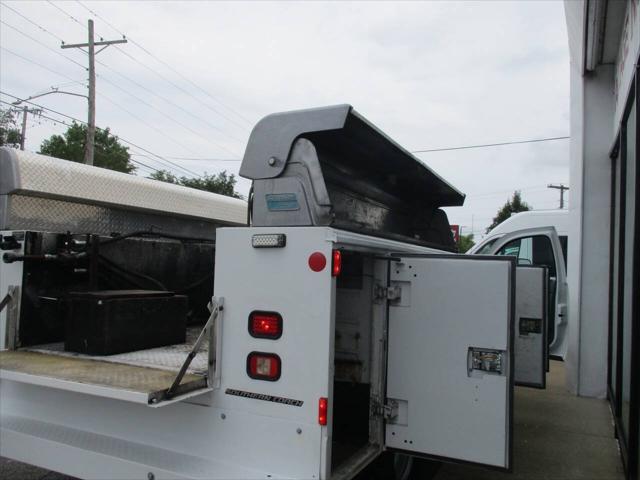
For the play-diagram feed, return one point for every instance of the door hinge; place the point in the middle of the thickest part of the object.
(388, 293)
(385, 410)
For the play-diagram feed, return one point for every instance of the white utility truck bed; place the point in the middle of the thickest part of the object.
(338, 329)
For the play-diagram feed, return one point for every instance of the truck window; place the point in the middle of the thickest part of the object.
(536, 250)
(484, 250)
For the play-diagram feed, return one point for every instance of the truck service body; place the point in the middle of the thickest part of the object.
(341, 325)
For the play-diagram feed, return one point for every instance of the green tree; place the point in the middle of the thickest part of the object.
(221, 183)
(512, 206)
(109, 152)
(465, 243)
(10, 135)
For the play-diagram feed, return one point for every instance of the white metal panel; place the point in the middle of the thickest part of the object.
(279, 280)
(448, 305)
(34, 174)
(240, 444)
(530, 342)
(89, 455)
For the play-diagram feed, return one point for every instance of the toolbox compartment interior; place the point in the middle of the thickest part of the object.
(353, 426)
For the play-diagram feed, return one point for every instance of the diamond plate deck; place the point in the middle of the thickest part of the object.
(168, 358)
(147, 381)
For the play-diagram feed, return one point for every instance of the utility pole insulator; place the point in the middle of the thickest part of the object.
(91, 116)
(562, 189)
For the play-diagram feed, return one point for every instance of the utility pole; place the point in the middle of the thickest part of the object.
(562, 189)
(35, 111)
(25, 111)
(23, 135)
(91, 117)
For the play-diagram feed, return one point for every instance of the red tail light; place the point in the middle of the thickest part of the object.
(323, 407)
(265, 325)
(336, 263)
(263, 366)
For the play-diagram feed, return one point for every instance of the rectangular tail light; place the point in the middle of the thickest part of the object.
(323, 409)
(265, 325)
(264, 366)
(336, 263)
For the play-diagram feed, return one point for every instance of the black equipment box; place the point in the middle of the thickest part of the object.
(117, 321)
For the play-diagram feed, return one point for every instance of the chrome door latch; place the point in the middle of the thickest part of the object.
(486, 360)
(388, 293)
(384, 410)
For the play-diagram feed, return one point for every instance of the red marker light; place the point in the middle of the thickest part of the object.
(336, 263)
(323, 407)
(265, 325)
(317, 261)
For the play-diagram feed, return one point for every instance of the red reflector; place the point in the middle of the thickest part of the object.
(317, 261)
(263, 366)
(323, 406)
(336, 263)
(265, 325)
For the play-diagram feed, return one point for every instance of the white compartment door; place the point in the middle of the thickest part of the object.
(531, 345)
(449, 372)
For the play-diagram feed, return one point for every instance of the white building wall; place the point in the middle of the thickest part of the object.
(592, 110)
(574, 12)
(592, 314)
(597, 99)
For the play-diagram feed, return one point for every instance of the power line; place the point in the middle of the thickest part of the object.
(36, 63)
(171, 118)
(32, 22)
(502, 192)
(107, 98)
(115, 85)
(155, 155)
(67, 14)
(184, 169)
(170, 67)
(414, 151)
(151, 126)
(62, 122)
(549, 139)
(201, 159)
(43, 44)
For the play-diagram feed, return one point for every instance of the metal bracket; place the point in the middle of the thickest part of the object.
(208, 329)
(387, 293)
(12, 303)
(384, 410)
(5, 301)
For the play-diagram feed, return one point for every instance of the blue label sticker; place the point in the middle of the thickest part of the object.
(277, 202)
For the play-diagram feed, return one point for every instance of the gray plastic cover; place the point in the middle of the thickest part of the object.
(358, 146)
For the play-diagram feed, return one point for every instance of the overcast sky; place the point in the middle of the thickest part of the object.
(431, 75)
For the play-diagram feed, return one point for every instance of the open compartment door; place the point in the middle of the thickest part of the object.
(531, 345)
(449, 373)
